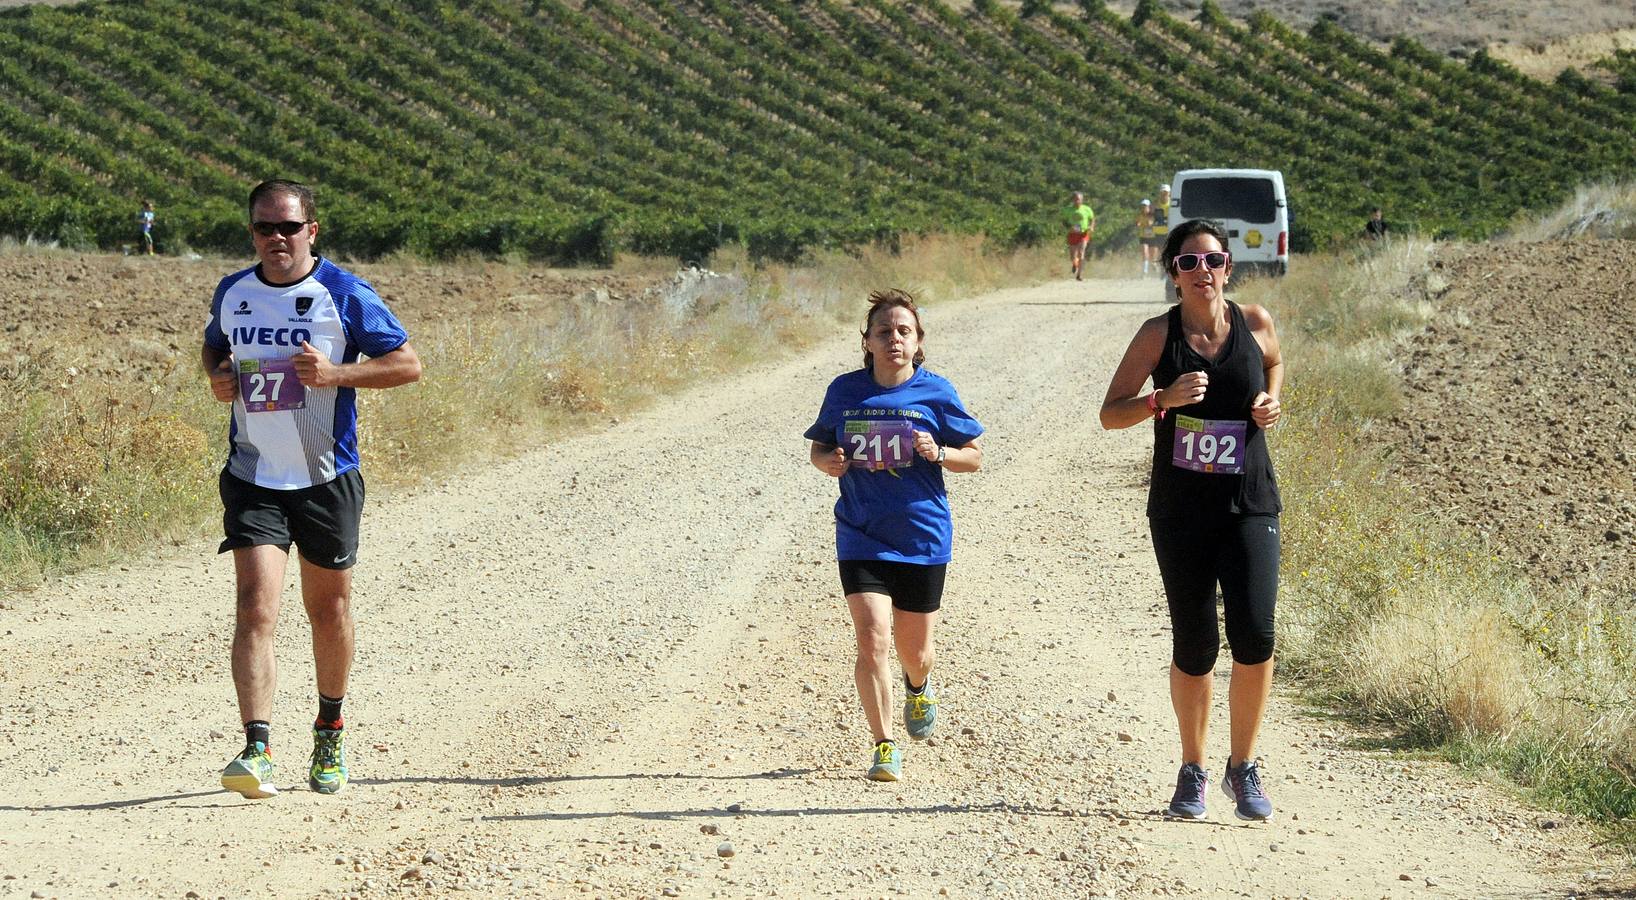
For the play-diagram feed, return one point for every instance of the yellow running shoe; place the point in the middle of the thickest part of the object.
(251, 774)
(328, 774)
(888, 762)
(920, 712)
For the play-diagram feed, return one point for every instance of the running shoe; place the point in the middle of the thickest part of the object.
(1243, 784)
(888, 762)
(1188, 801)
(920, 712)
(328, 774)
(251, 774)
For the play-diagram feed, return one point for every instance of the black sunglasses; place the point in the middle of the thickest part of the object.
(267, 229)
(1187, 262)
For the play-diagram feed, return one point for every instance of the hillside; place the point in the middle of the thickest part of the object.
(563, 131)
(1452, 26)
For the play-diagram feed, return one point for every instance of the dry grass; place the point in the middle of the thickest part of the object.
(91, 468)
(1603, 210)
(1397, 613)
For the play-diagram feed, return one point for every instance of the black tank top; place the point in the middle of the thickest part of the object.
(1235, 378)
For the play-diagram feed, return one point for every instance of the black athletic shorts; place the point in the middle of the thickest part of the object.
(321, 520)
(912, 587)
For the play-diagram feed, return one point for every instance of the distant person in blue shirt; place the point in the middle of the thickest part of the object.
(144, 221)
(888, 431)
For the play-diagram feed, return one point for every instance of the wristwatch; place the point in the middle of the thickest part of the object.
(941, 453)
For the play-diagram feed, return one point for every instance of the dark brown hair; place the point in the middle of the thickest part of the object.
(309, 209)
(886, 299)
(1180, 234)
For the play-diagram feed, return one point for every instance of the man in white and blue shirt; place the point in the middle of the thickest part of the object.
(286, 344)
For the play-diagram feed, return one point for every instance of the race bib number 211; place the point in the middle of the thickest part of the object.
(880, 443)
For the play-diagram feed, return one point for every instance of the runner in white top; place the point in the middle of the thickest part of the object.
(283, 345)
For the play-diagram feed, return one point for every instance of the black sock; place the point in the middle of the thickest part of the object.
(258, 731)
(909, 686)
(329, 712)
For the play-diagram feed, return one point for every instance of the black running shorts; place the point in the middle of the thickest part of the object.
(321, 520)
(912, 587)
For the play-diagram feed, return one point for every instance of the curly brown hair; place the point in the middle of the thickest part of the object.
(886, 299)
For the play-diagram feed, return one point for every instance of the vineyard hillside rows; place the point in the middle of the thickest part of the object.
(566, 131)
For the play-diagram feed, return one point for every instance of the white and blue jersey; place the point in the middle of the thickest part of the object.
(336, 312)
(893, 514)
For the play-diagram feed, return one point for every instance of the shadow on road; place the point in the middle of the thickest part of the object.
(112, 804)
(531, 780)
(511, 781)
(662, 815)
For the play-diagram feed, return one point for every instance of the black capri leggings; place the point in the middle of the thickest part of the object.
(1239, 552)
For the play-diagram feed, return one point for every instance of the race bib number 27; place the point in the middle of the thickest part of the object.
(1214, 446)
(880, 443)
(270, 384)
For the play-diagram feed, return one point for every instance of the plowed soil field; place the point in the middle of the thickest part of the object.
(1521, 419)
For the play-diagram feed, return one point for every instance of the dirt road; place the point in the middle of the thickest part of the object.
(586, 670)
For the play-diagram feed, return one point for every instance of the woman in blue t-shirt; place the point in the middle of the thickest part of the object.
(888, 431)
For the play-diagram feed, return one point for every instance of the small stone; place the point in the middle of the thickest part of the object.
(725, 850)
(710, 828)
(1112, 696)
(432, 858)
(38, 895)
(968, 731)
(412, 873)
(1125, 737)
(340, 860)
(1405, 877)
(808, 689)
(655, 845)
(735, 807)
(1431, 881)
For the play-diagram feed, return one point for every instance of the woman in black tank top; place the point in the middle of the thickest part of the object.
(1213, 501)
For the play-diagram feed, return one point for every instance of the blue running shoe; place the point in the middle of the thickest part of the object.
(920, 712)
(1243, 784)
(888, 763)
(251, 774)
(328, 774)
(1188, 801)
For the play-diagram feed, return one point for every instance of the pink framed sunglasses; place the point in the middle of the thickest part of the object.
(1187, 262)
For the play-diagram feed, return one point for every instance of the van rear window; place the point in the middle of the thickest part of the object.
(1249, 199)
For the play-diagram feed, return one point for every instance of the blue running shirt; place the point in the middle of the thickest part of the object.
(338, 313)
(894, 515)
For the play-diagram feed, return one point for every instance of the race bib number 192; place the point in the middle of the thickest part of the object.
(1214, 446)
(880, 443)
(270, 384)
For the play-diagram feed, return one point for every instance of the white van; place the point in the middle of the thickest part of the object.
(1249, 203)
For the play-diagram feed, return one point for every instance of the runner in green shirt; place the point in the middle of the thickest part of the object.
(1081, 222)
